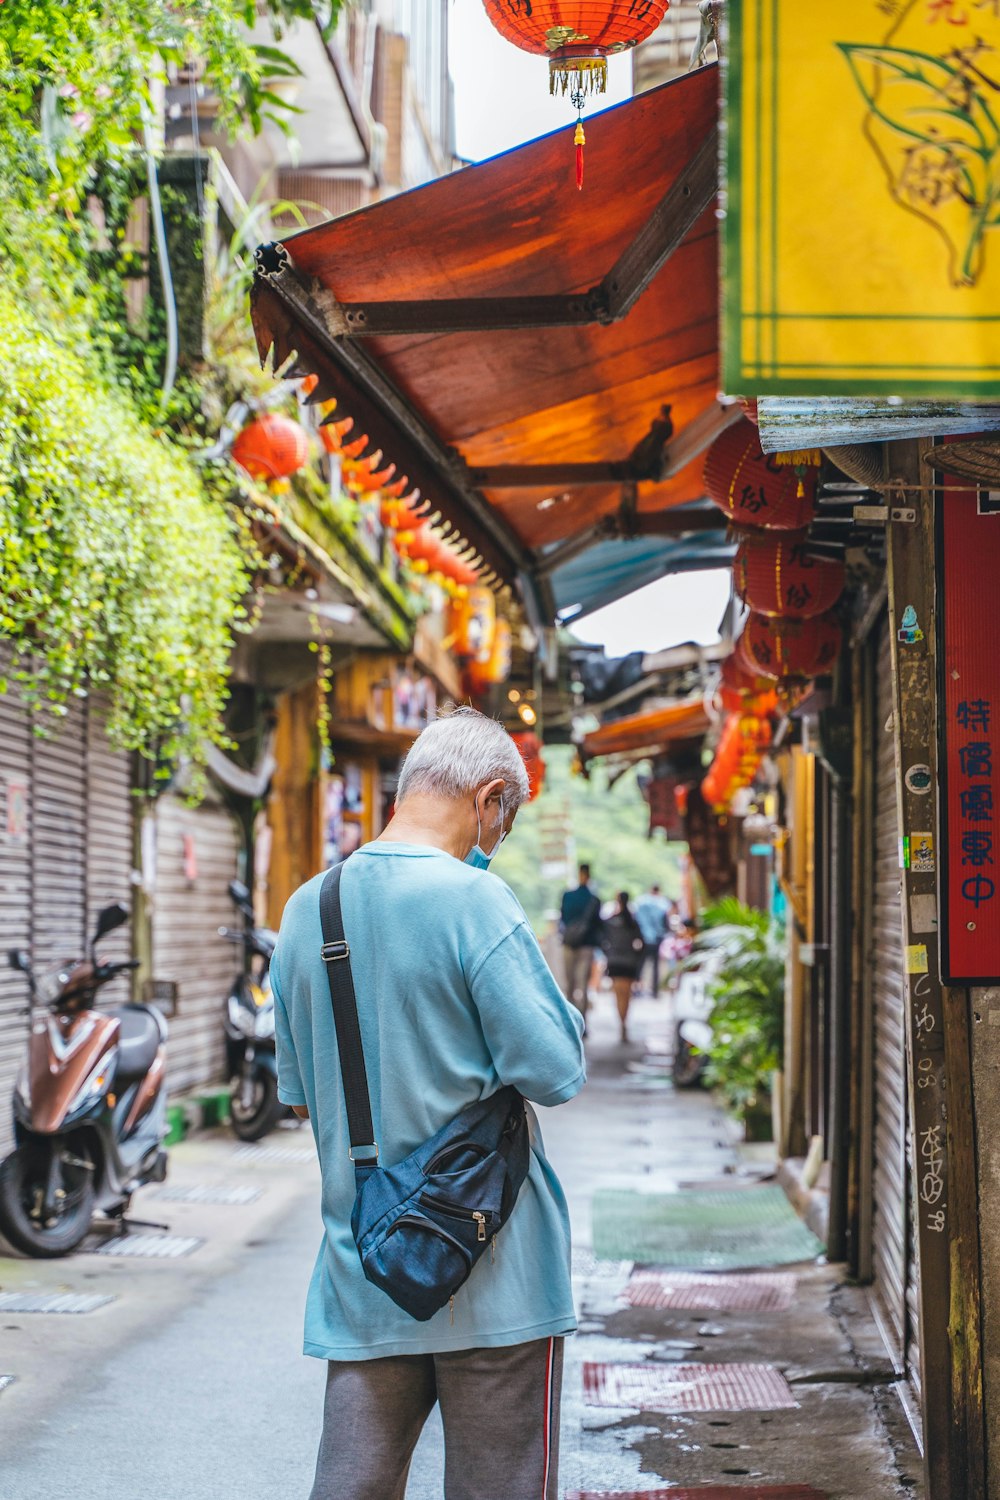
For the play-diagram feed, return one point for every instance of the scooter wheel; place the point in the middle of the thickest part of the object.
(256, 1118)
(22, 1177)
(688, 1065)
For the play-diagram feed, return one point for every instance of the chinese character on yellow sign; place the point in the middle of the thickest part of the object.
(863, 225)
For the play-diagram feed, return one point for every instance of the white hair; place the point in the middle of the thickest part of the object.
(459, 753)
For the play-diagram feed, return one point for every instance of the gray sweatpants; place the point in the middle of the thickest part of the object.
(577, 963)
(499, 1408)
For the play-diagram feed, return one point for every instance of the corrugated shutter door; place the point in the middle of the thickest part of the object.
(891, 1227)
(110, 861)
(69, 856)
(187, 949)
(59, 884)
(15, 893)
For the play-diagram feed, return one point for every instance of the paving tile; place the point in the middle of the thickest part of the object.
(59, 1302)
(711, 1492)
(763, 1292)
(675, 1388)
(148, 1246)
(205, 1193)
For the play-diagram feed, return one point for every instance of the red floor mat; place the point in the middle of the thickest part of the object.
(768, 1292)
(687, 1387)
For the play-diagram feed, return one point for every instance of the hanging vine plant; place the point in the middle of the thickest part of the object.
(116, 568)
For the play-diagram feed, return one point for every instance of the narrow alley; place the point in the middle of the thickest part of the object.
(687, 1377)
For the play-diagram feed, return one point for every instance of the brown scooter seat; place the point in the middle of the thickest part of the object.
(138, 1041)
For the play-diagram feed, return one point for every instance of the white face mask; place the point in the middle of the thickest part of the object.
(477, 856)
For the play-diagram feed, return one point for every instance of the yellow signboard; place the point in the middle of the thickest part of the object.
(862, 234)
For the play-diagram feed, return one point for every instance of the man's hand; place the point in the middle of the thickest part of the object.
(302, 1110)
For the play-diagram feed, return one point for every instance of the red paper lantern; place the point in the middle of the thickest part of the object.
(792, 649)
(775, 575)
(530, 750)
(271, 447)
(757, 491)
(577, 36)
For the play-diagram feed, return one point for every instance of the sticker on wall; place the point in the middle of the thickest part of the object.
(922, 853)
(916, 958)
(923, 913)
(909, 630)
(918, 780)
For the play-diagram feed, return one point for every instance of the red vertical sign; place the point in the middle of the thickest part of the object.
(969, 732)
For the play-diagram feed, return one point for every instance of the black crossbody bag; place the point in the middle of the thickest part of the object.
(421, 1225)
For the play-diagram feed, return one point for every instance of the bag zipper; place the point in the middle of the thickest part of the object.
(457, 1211)
(424, 1223)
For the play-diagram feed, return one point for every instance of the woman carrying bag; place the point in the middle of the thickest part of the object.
(624, 950)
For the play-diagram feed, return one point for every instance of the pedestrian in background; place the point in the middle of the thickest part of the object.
(623, 948)
(652, 912)
(581, 933)
(454, 1001)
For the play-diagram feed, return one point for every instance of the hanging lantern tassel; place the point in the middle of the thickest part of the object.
(801, 459)
(580, 140)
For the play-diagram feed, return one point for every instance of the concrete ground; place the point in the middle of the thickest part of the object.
(190, 1385)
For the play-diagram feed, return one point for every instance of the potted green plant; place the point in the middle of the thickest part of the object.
(745, 950)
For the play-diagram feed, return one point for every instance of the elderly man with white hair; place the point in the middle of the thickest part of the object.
(455, 1001)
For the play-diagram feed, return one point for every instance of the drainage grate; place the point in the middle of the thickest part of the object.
(724, 1231)
(712, 1492)
(205, 1194)
(585, 1264)
(687, 1387)
(149, 1246)
(272, 1153)
(64, 1302)
(686, 1290)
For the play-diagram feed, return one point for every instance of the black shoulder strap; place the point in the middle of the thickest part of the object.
(336, 955)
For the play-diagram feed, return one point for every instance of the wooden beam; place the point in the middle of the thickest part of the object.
(671, 221)
(939, 1074)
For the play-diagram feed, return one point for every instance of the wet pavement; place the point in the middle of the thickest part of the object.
(181, 1372)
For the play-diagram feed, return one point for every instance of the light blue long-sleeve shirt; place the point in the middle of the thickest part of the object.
(455, 1000)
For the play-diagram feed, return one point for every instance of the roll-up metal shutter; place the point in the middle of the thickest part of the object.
(15, 893)
(65, 851)
(109, 813)
(892, 1233)
(198, 852)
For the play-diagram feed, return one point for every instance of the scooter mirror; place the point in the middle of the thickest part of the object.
(18, 959)
(111, 917)
(239, 892)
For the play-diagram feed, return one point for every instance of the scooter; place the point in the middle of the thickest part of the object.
(252, 1066)
(90, 1107)
(692, 1003)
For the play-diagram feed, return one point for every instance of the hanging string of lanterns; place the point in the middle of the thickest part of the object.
(738, 754)
(578, 37)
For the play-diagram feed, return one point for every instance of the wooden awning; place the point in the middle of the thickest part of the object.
(652, 730)
(542, 363)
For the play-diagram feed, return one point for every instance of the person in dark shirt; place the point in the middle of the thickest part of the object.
(624, 950)
(580, 926)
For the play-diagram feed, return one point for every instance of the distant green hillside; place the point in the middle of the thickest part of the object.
(609, 829)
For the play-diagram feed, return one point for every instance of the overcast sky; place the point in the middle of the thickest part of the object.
(501, 100)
